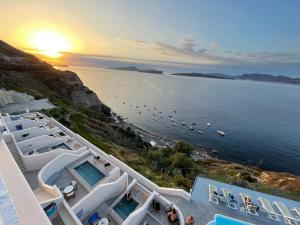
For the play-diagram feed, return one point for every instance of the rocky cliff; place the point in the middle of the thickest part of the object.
(20, 70)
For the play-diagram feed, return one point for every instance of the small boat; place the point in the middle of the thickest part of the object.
(140, 112)
(160, 111)
(145, 105)
(194, 124)
(183, 123)
(153, 114)
(170, 116)
(208, 124)
(172, 120)
(155, 108)
(222, 133)
(174, 111)
(191, 128)
(174, 124)
(123, 103)
(137, 107)
(200, 131)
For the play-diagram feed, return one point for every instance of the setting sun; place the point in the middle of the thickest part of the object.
(50, 43)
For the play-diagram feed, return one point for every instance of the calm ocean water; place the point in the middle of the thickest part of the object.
(261, 120)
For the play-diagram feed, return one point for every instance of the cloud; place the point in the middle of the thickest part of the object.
(191, 50)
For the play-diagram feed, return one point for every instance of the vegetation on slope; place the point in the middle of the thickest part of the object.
(170, 167)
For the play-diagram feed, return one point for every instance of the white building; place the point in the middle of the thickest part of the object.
(50, 175)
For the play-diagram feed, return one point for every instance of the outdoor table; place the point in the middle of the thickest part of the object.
(103, 221)
(68, 189)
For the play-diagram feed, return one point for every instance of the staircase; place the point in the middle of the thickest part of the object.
(15, 153)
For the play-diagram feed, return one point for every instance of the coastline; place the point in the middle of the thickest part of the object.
(199, 153)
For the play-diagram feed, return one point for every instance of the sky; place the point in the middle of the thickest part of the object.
(232, 36)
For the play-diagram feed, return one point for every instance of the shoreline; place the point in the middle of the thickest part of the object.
(199, 153)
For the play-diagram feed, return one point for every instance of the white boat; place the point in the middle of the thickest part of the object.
(200, 131)
(172, 120)
(191, 128)
(222, 133)
(208, 124)
(183, 123)
(174, 124)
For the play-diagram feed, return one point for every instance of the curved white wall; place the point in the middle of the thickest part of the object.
(138, 215)
(99, 195)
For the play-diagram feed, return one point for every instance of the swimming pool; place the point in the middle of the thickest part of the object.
(124, 207)
(62, 146)
(224, 220)
(89, 173)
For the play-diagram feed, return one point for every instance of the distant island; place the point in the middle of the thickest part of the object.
(133, 68)
(247, 76)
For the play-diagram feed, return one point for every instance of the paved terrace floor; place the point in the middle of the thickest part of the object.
(204, 211)
(64, 180)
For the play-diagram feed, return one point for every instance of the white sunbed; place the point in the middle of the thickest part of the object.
(267, 207)
(229, 199)
(297, 210)
(249, 208)
(213, 194)
(285, 212)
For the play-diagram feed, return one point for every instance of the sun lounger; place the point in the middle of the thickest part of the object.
(285, 212)
(249, 207)
(267, 207)
(213, 194)
(229, 199)
(297, 210)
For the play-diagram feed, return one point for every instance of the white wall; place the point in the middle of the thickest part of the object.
(56, 165)
(32, 132)
(143, 180)
(39, 142)
(100, 194)
(166, 203)
(80, 139)
(26, 123)
(146, 182)
(138, 215)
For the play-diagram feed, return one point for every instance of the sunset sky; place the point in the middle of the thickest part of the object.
(260, 35)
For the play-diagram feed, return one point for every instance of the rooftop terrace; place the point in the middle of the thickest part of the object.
(204, 211)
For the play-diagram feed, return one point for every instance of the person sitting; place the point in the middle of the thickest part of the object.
(172, 215)
(248, 200)
(231, 198)
(129, 196)
(189, 220)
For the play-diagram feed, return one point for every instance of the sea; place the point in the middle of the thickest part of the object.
(261, 120)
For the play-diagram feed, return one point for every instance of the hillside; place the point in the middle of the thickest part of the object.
(79, 108)
(247, 76)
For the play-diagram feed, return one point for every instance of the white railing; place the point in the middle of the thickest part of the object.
(147, 183)
(166, 203)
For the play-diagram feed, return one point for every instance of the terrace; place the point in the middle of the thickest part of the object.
(204, 211)
(113, 208)
(47, 143)
(68, 174)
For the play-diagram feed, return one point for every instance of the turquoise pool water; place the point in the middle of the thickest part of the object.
(89, 173)
(224, 220)
(124, 208)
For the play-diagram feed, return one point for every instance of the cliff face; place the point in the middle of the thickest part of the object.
(18, 68)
